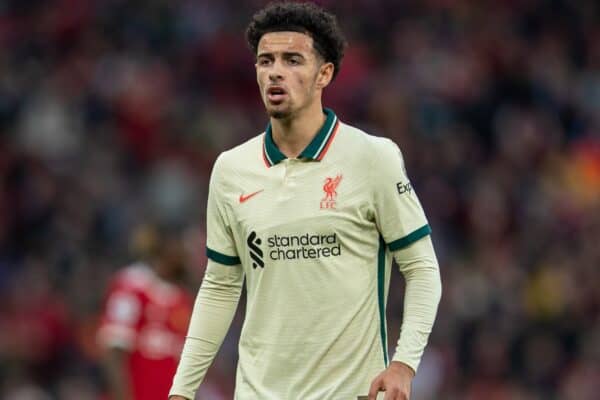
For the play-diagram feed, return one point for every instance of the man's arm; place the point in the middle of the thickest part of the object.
(117, 336)
(116, 373)
(214, 309)
(419, 266)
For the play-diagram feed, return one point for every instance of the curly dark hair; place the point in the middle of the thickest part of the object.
(308, 18)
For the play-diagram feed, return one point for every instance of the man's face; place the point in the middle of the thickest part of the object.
(170, 262)
(289, 72)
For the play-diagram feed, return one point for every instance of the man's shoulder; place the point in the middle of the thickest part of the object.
(368, 144)
(241, 154)
(134, 277)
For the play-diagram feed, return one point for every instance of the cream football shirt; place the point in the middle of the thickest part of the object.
(313, 238)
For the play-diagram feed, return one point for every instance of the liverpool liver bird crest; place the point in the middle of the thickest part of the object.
(330, 187)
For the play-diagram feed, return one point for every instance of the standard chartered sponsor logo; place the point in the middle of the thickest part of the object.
(306, 246)
(256, 253)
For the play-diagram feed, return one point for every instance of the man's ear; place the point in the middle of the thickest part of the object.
(325, 75)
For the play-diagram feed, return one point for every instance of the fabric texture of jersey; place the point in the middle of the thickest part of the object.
(148, 318)
(313, 237)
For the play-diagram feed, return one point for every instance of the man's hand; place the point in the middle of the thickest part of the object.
(394, 381)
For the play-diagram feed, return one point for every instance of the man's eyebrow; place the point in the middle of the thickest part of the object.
(286, 54)
(293, 54)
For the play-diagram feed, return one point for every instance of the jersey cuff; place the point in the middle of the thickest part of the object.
(222, 258)
(410, 238)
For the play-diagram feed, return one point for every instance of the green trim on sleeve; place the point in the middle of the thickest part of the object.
(410, 238)
(222, 258)
(381, 298)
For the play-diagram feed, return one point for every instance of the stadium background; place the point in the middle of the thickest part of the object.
(112, 112)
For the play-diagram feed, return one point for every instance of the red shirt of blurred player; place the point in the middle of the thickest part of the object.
(143, 328)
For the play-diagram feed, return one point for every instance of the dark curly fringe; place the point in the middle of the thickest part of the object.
(307, 18)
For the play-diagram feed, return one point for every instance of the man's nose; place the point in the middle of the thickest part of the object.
(276, 72)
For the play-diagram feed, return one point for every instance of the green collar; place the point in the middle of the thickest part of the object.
(315, 150)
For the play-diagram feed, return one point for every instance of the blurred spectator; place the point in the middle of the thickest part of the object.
(145, 319)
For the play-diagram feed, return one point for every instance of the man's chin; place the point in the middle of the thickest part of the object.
(278, 114)
(278, 110)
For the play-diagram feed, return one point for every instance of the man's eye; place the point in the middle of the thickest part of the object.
(294, 61)
(264, 61)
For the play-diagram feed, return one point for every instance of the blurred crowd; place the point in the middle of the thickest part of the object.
(112, 113)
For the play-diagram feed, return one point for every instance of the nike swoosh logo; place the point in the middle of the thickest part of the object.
(248, 197)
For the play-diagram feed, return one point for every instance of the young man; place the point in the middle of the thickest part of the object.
(310, 213)
(145, 317)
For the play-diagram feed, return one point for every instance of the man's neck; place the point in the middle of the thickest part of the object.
(294, 134)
